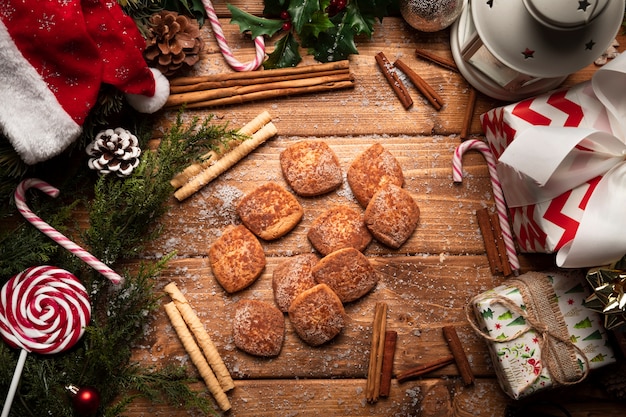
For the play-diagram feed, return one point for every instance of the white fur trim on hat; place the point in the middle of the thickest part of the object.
(145, 104)
(30, 115)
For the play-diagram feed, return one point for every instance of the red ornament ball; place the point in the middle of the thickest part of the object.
(86, 401)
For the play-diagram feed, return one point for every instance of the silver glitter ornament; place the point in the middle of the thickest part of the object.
(430, 15)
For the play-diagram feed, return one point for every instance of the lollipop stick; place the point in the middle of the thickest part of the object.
(16, 379)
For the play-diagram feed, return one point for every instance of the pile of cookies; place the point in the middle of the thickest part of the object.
(312, 290)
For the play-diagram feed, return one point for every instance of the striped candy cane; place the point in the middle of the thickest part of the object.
(457, 176)
(52, 233)
(259, 43)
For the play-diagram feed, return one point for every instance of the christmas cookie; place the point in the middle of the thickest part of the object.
(392, 215)
(337, 228)
(258, 328)
(371, 169)
(291, 277)
(347, 272)
(270, 211)
(311, 168)
(236, 258)
(317, 315)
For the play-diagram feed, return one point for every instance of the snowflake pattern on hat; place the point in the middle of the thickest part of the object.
(54, 55)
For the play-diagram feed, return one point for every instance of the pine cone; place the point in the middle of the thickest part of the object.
(173, 42)
(114, 151)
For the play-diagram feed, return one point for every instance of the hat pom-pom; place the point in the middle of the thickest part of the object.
(145, 104)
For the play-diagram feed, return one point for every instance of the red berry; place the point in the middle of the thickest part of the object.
(284, 15)
(286, 26)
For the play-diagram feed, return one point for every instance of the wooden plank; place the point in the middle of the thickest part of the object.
(447, 222)
(346, 397)
(426, 283)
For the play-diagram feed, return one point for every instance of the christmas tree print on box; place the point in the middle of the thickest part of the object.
(518, 360)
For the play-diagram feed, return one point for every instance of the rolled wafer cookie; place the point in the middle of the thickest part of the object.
(186, 338)
(202, 337)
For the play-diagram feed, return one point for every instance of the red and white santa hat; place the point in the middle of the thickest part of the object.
(54, 55)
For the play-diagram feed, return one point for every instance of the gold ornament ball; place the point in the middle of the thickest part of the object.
(430, 15)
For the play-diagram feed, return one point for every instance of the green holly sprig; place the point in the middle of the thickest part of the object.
(327, 28)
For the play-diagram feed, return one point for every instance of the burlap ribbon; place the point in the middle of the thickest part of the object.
(543, 316)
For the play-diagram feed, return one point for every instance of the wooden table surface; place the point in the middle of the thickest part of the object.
(426, 283)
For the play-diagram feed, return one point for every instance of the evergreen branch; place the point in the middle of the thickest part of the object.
(122, 214)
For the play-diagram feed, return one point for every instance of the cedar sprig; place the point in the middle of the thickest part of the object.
(123, 210)
(170, 384)
(122, 215)
(24, 246)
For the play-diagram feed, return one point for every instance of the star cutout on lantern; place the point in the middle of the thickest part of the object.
(583, 4)
(528, 53)
(589, 45)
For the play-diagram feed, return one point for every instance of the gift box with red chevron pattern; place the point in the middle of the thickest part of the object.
(560, 160)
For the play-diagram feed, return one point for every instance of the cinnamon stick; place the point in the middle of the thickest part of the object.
(274, 93)
(279, 72)
(449, 333)
(372, 390)
(436, 59)
(424, 369)
(495, 248)
(210, 85)
(389, 351)
(394, 81)
(221, 93)
(427, 91)
(469, 113)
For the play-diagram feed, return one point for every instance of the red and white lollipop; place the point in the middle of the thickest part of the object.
(45, 310)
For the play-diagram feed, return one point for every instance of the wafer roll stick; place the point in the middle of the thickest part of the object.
(202, 337)
(211, 157)
(226, 162)
(196, 356)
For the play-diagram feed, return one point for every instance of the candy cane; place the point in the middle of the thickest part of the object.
(259, 43)
(89, 259)
(457, 176)
(43, 310)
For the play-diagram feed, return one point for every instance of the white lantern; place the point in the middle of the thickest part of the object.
(513, 49)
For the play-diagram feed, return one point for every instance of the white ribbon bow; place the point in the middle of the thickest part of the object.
(543, 162)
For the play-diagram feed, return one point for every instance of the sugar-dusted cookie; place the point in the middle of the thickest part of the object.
(236, 258)
(291, 277)
(258, 328)
(392, 215)
(347, 272)
(311, 168)
(337, 228)
(371, 169)
(317, 315)
(270, 211)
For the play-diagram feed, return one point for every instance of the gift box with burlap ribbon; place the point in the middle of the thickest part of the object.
(539, 332)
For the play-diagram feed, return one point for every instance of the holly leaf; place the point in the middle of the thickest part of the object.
(378, 8)
(318, 23)
(336, 43)
(258, 26)
(274, 7)
(285, 54)
(360, 22)
(301, 13)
